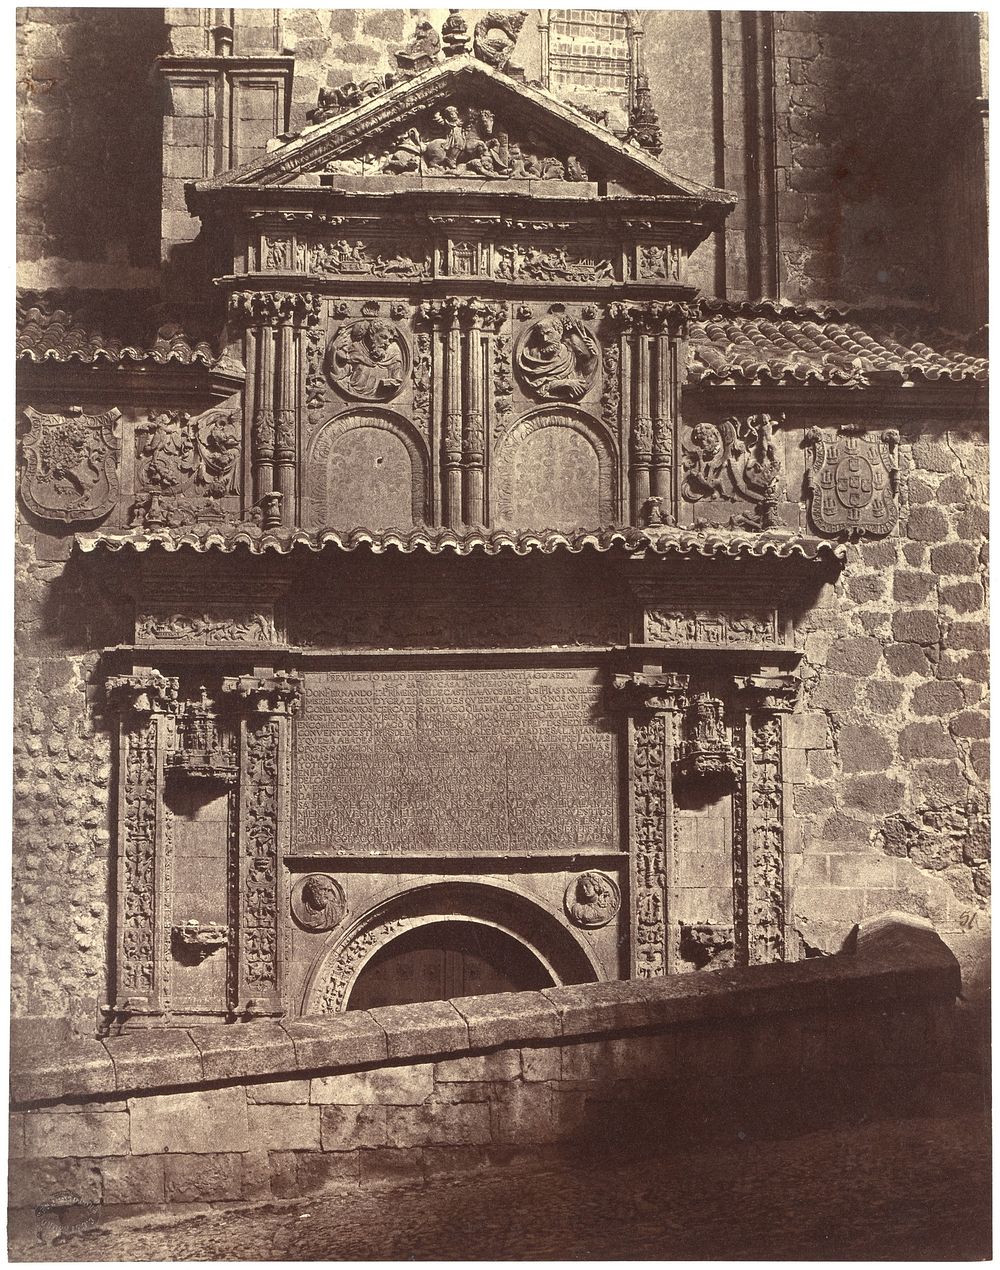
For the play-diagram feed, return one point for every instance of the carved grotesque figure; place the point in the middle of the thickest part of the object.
(318, 903)
(592, 900)
(421, 51)
(558, 358)
(366, 361)
(495, 35)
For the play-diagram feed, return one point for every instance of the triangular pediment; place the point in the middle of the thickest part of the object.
(461, 121)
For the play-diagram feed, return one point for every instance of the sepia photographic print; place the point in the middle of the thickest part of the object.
(500, 756)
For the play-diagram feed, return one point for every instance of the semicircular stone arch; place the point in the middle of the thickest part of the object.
(507, 910)
(366, 468)
(556, 468)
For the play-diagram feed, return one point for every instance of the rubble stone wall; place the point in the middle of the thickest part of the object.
(890, 789)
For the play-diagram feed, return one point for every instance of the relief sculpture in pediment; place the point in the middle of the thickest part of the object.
(557, 357)
(367, 360)
(463, 141)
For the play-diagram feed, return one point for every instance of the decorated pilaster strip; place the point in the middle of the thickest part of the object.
(652, 702)
(759, 886)
(145, 702)
(265, 702)
(479, 317)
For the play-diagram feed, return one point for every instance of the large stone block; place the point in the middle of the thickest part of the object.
(244, 1049)
(344, 1128)
(133, 1179)
(54, 1181)
(524, 1114)
(192, 1178)
(200, 1122)
(432, 1027)
(287, 1092)
(337, 1040)
(318, 1173)
(458, 1124)
(91, 1133)
(148, 1059)
(390, 1164)
(508, 1017)
(543, 1062)
(390, 1086)
(284, 1128)
(501, 1065)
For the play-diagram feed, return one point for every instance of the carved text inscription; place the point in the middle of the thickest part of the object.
(456, 761)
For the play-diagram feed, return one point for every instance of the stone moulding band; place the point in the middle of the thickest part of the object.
(895, 959)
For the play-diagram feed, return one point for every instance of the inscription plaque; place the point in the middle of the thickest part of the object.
(456, 761)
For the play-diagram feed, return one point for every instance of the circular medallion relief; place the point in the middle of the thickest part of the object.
(318, 902)
(557, 357)
(367, 360)
(591, 900)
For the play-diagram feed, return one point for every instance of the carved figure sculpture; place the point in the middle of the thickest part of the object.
(421, 51)
(592, 900)
(557, 358)
(366, 360)
(318, 903)
(496, 49)
(455, 34)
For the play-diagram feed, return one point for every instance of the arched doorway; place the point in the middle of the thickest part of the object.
(440, 960)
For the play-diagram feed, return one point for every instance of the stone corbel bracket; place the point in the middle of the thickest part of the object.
(144, 692)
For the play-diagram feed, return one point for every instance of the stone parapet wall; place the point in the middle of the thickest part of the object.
(261, 1111)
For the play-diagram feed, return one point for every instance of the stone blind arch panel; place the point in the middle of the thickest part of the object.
(367, 468)
(556, 468)
(499, 905)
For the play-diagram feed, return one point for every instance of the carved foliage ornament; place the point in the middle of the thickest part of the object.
(737, 459)
(592, 900)
(70, 467)
(852, 483)
(367, 360)
(138, 921)
(557, 357)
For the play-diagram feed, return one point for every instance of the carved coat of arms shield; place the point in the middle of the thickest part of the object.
(69, 468)
(852, 482)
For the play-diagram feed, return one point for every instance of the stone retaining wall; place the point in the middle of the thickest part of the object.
(259, 1111)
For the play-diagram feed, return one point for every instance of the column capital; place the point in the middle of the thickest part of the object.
(143, 692)
(778, 693)
(640, 690)
(277, 693)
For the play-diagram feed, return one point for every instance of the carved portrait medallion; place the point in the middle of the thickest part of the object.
(318, 902)
(367, 360)
(592, 900)
(70, 468)
(557, 357)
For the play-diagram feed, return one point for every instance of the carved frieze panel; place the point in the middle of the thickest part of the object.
(206, 625)
(851, 481)
(69, 468)
(555, 262)
(685, 627)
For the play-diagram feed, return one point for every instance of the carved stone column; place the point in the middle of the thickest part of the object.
(653, 701)
(146, 702)
(479, 318)
(665, 393)
(265, 703)
(641, 439)
(451, 441)
(759, 815)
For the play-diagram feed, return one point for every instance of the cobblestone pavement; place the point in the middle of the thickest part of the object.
(900, 1190)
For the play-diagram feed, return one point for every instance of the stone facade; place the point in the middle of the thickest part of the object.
(522, 500)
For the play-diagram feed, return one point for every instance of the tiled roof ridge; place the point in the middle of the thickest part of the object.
(919, 317)
(664, 541)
